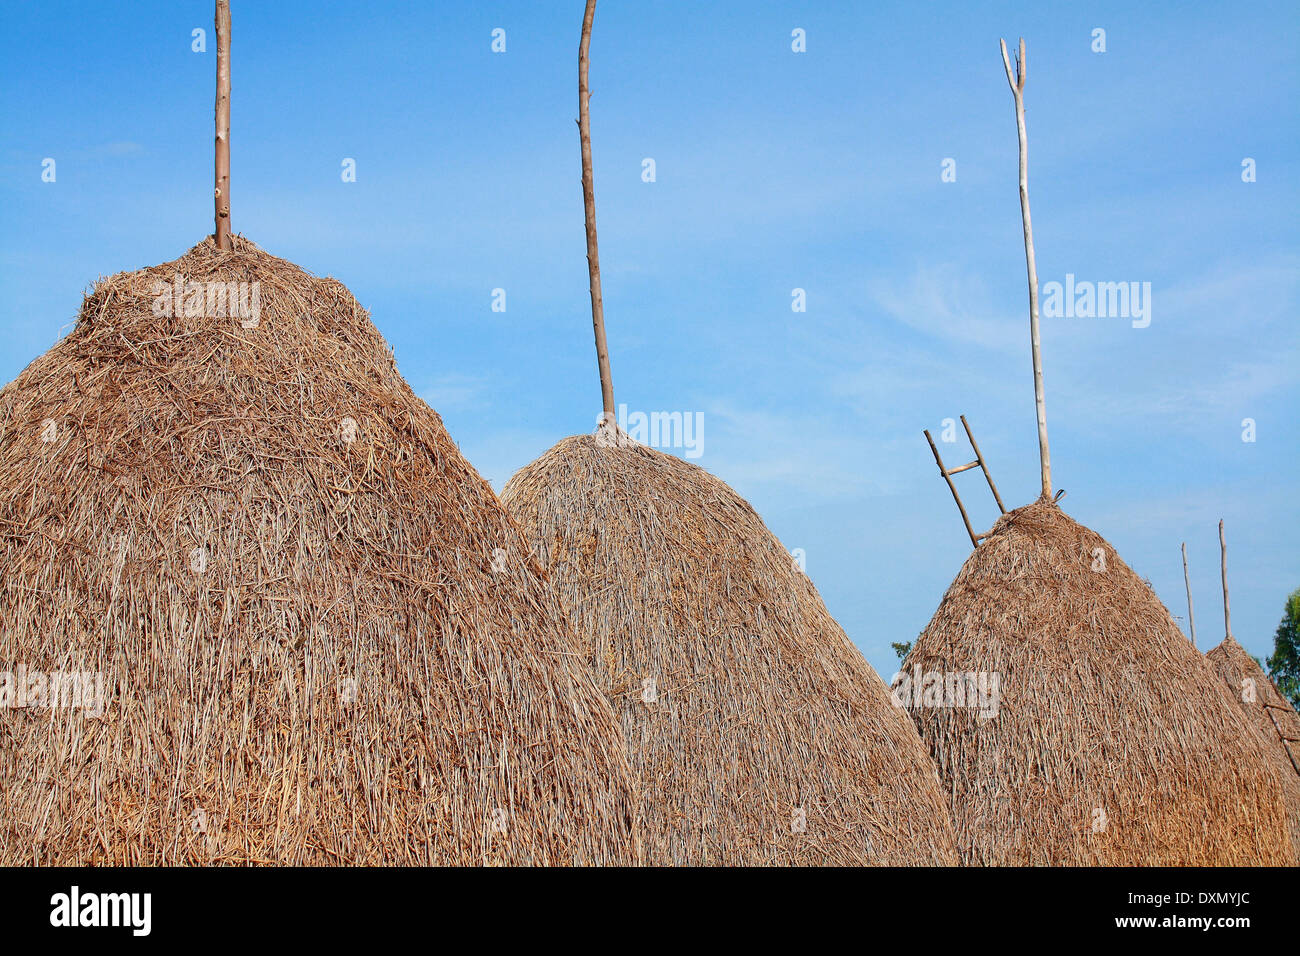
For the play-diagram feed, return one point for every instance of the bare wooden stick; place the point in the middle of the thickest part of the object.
(221, 191)
(1017, 83)
(947, 476)
(589, 205)
(1281, 735)
(1223, 563)
(979, 458)
(1187, 582)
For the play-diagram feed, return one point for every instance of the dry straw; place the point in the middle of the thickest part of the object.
(1260, 701)
(323, 639)
(759, 733)
(1114, 742)
(1270, 712)
(1111, 742)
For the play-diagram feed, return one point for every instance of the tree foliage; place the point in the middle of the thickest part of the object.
(1284, 665)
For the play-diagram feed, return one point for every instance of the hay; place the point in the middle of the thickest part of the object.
(767, 739)
(1266, 709)
(309, 656)
(1114, 743)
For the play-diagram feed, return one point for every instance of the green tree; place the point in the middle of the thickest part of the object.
(902, 650)
(1284, 665)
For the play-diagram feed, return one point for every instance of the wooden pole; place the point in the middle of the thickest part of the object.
(1223, 564)
(1018, 91)
(221, 191)
(1187, 582)
(589, 205)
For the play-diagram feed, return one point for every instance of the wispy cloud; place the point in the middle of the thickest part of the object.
(948, 305)
(453, 391)
(812, 458)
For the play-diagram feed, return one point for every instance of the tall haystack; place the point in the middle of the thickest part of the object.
(1262, 704)
(1101, 736)
(257, 609)
(1266, 709)
(1112, 742)
(759, 732)
(319, 637)
(756, 730)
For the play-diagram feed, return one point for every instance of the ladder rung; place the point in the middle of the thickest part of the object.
(961, 468)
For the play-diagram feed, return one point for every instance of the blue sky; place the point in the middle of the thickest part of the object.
(775, 170)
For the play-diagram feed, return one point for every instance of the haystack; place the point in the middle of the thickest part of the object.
(758, 732)
(1267, 710)
(1112, 743)
(320, 637)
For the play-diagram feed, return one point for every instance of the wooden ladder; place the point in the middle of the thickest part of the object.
(948, 473)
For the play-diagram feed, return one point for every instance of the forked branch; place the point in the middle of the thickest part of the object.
(1017, 83)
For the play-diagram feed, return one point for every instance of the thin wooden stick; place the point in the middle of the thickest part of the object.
(589, 204)
(221, 191)
(1281, 735)
(979, 457)
(1018, 91)
(1187, 581)
(974, 538)
(1223, 562)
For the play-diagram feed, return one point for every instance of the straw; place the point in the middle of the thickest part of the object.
(759, 733)
(1114, 742)
(1269, 712)
(322, 639)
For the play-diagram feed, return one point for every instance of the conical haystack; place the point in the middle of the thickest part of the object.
(1112, 742)
(321, 639)
(1265, 708)
(759, 733)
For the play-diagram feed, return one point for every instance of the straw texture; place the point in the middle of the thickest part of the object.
(323, 640)
(1114, 743)
(1271, 713)
(760, 734)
